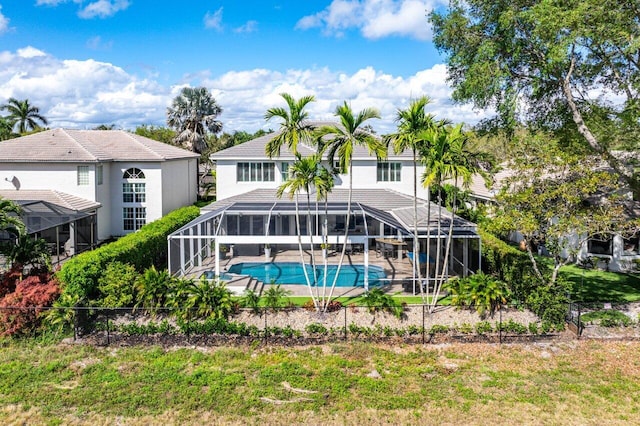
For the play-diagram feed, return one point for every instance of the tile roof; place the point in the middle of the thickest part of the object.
(255, 149)
(63, 145)
(58, 198)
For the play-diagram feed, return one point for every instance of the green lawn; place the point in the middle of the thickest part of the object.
(599, 286)
(356, 383)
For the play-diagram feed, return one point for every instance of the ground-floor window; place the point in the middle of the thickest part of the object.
(631, 245)
(134, 218)
(601, 244)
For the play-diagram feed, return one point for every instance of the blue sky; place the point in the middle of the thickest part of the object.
(89, 62)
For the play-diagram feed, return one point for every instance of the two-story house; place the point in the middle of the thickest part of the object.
(79, 187)
(249, 218)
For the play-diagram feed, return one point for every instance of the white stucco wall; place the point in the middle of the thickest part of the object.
(364, 177)
(179, 184)
(54, 176)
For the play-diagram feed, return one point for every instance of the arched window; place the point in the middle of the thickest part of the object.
(133, 193)
(133, 173)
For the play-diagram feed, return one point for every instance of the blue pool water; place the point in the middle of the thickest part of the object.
(292, 273)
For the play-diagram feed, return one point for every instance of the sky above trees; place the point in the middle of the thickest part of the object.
(91, 62)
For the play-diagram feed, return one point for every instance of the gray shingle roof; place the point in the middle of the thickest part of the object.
(255, 149)
(50, 196)
(62, 145)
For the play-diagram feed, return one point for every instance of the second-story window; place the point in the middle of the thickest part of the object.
(83, 175)
(389, 172)
(256, 172)
(284, 171)
(99, 174)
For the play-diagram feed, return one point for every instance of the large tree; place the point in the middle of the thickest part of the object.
(193, 114)
(340, 140)
(23, 116)
(413, 125)
(570, 66)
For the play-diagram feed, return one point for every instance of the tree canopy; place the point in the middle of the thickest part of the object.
(23, 116)
(570, 67)
(193, 114)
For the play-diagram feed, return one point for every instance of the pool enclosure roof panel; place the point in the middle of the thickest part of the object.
(41, 215)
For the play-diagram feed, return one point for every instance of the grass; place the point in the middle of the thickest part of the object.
(593, 285)
(331, 384)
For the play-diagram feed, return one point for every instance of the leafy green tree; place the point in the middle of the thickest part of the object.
(157, 133)
(23, 115)
(340, 140)
(553, 195)
(294, 127)
(413, 125)
(193, 114)
(550, 62)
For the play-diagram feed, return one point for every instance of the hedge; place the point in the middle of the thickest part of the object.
(148, 246)
(501, 259)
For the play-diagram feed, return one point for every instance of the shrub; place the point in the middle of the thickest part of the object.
(155, 288)
(439, 329)
(376, 300)
(30, 296)
(315, 328)
(117, 285)
(483, 327)
(251, 300)
(147, 247)
(608, 318)
(276, 297)
(550, 303)
(208, 299)
(479, 291)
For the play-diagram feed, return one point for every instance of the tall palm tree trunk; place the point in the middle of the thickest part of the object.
(416, 241)
(438, 249)
(325, 242)
(440, 281)
(304, 269)
(311, 231)
(346, 233)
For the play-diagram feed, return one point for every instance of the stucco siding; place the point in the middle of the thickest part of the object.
(179, 184)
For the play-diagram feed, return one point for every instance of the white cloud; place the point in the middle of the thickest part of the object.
(374, 18)
(213, 20)
(248, 27)
(96, 43)
(103, 8)
(86, 93)
(4, 22)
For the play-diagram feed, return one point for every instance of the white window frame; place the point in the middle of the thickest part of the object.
(255, 171)
(133, 218)
(389, 171)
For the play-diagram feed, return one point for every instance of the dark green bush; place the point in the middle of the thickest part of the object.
(147, 247)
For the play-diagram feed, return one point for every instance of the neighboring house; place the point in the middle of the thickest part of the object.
(249, 216)
(79, 187)
(616, 252)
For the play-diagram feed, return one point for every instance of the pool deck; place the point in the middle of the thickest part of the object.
(399, 271)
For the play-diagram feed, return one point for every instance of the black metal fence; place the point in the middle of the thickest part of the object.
(411, 323)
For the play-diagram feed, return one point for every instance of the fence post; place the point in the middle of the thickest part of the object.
(500, 326)
(345, 322)
(108, 332)
(75, 322)
(423, 330)
(579, 322)
(266, 331)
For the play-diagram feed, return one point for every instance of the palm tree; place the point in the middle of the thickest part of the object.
(294, 127)
(341, 140)
(304, 175)
(413, 123)
(23, 115)
(193, 114)
(6, 129)
(449, 158)
(10, 220)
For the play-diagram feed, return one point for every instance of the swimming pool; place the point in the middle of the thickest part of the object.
(292, 273)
